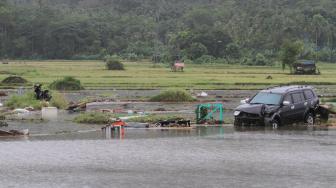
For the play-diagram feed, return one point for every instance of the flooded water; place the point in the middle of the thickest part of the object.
(200, 157)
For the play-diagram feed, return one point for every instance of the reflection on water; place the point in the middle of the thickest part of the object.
(200, 157)
(204, 131)
(221, 152)
(141, 133)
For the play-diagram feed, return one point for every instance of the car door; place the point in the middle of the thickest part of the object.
(287, 110)
(299, 105)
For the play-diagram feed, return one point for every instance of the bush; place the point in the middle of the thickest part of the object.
(59, 101)
(220, 61)
(247, 61)
(113, 63)
(197, 50)
(86, 57)
(173, 96)
(188, 61)
(205, 59)
(14, 80)
(131, 57)
(232, 51)
(260, 60)
(92, 118)
(22, 101)
(67, 83)
(154, 118)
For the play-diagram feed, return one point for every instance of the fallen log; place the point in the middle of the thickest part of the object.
(324, 112)
(14, 133)
(328, 108)
(79, 106)
(5, 133)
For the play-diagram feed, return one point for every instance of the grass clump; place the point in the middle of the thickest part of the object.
(22, 101)
(14, 80)
(29, 100)
(155, 118)
(175, 95)
(67, 83)
(93, 118)
(59, 101)
(113, 63)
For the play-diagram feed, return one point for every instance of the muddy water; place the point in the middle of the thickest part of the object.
(201, 157)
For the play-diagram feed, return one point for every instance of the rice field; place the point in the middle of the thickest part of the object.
(143, 75)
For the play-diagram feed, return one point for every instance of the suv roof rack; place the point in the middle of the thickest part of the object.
(287, 88)
(297, 87)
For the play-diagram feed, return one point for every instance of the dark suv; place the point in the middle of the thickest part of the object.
(278, 106)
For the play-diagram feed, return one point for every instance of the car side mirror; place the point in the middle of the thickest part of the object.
(286, 103)
(245, 101)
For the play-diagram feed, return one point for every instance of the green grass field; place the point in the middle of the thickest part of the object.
(143, 75)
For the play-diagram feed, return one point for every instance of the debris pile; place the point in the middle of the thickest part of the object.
(14, 133)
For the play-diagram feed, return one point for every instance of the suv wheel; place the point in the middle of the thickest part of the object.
(310, 119)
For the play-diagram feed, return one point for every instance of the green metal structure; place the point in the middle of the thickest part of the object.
(206, 113)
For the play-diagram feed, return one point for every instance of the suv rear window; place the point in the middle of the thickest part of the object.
(309, 94)
(298, 97)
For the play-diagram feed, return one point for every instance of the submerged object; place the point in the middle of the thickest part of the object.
(21, 111)
(202, 94)
(3, 124)
(118, 123)
(49, 113)
(138, 125)
(14, 132)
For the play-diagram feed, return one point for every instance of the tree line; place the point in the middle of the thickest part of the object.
(232, 31)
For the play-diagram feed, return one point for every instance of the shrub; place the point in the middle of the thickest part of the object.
(86, 57)
(154, 118)
(205, 59)
(247, 61)
(220, 61)
(113, 63)
(22, 101)
(131, 57)
(59, 101)
(67, 83)
(187, 61)
(232, 51)
(173, 96)
(197, 50)
(14, 80)
(92, 118)
(260, 60)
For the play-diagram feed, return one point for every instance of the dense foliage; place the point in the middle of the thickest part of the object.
(229, 30)
(29, 100)
(113, 63)
(93, 118)
(67, 83)
(59, 101)
(22, 101)
(154, 118)
(173, 95)
(291, 50)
